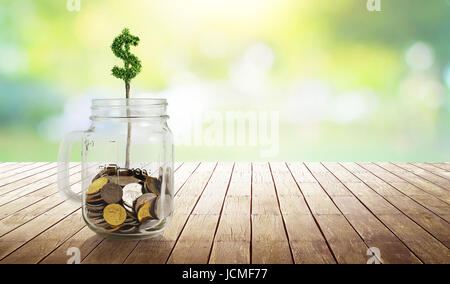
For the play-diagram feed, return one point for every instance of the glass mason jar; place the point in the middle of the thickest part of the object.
(126, 170)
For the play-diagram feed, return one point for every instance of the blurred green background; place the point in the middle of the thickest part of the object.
(349, 84)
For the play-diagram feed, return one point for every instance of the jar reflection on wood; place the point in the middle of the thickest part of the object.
(127, 168)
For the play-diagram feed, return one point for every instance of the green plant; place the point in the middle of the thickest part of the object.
(132, 67)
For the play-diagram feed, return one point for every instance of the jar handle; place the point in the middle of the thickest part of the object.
(63, 166)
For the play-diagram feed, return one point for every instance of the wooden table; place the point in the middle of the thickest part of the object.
(246, 213)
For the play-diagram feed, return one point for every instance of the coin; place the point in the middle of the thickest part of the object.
(94, 200)
(96, 185)
(160, 176)
(93, 195)
(144, 212)
(153, 185)
(114, 229)
(111, 193)
(128, 208)
(168, 181)
(140, 174)
(95, 207)
(131, 215)
(131, 221)
(144, 198)
(122, 180)
(162, 207)
(99, 223)
(111, 169)
(131, 192)
(128, 229)
(148, 224)
(124, 172)
(100, 174)
(114, 214)
(95, 214)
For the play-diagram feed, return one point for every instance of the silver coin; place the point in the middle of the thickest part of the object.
(168, 177)
(147, 197)
(129, 209)
(95, 215)
(100, 174)
(99, 222)
(111, 193)
(111, 169)
(128, 229)
(131, 192)
(160, 176)
(94, 209)
(149, 224)
(152, 185)
(162, 207)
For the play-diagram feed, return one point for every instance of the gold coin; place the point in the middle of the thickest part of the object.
(153, 185)
(114, 229)
(144, 212)
(96, 185)
(114, 214)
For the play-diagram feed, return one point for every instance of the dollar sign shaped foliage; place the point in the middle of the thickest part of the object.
(121, 48)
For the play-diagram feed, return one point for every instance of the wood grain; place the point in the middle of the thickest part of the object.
(245, 213)
(269, 239)
(232, 239)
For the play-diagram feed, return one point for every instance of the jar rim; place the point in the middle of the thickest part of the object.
(136, 108)
(129, 102)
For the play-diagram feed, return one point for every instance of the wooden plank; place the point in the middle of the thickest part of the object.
(30, 177)
(269, 239)
(431, 177)
(444, 166)
(309, 223)
(376, 181)
(211, 201)
(433, 169)
(329, 182)
(85, 240)
(375, 174)
(37, 248)
(21, 210)
(23, 173)
(6, 164)
(429, 221)
(369, 228)
(21, 235)
(183, 173)
(426, 247)
(195, 241)
(154, 250)
(350, 248)
(15, 206)
(32, 184)
(18, 172)
(5, 168)
(307, 243)
(25, 218)
(29, 213)
(232, 240)
(421, 183)
(111, 252)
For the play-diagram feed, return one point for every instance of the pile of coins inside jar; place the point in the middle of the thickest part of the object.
(127, 200)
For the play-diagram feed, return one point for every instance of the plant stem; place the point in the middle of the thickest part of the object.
(127, 154)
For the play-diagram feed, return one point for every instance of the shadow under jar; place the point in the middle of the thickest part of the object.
(127, 168)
